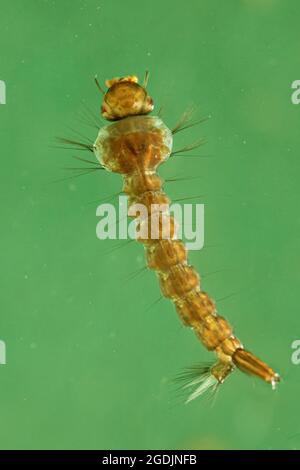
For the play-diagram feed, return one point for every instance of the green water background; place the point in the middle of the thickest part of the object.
(90, 355)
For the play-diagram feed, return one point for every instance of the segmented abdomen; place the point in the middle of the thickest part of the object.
(135, 147)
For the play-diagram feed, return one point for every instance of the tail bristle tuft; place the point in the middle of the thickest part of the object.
(200, 379)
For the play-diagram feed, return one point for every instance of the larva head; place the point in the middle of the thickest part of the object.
(125, 97)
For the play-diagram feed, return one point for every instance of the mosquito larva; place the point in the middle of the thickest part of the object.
(134, 144)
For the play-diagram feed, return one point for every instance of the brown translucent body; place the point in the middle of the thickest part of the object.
(134, 146)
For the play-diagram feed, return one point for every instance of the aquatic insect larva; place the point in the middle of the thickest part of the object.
(134, 144)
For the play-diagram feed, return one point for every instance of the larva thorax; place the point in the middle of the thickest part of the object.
(134, 145)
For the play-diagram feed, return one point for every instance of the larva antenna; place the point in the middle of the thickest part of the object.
(98, 85)
(146, 79)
